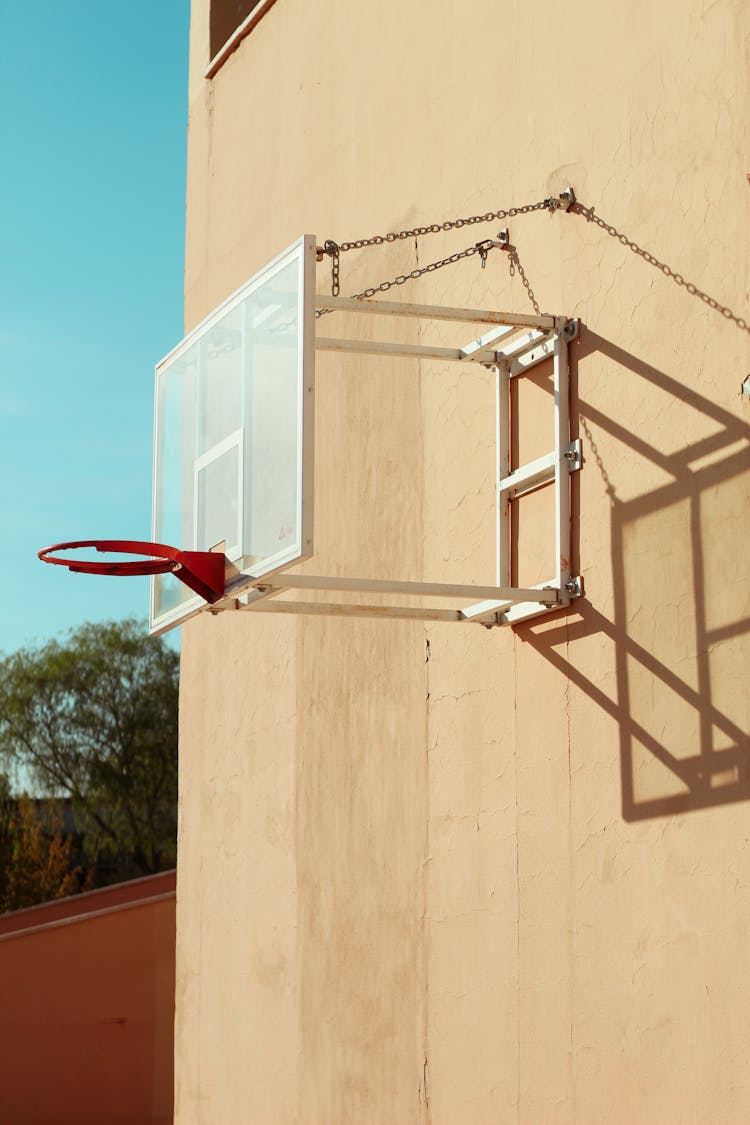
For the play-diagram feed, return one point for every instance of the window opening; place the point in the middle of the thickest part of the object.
(229, 22)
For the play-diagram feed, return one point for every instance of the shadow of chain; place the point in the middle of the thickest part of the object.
(590, 216)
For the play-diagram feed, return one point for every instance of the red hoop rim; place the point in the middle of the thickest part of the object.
(202, 571)
(162, 557)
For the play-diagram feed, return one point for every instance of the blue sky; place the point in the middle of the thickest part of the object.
(92, 215)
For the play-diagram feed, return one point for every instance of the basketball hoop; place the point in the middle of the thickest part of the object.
(202, 571)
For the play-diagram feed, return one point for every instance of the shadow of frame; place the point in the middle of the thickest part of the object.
(676, 632)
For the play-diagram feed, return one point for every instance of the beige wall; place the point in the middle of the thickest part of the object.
(510, 882)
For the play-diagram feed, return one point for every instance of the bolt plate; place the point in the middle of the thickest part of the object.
(574, 587)
(574, 456)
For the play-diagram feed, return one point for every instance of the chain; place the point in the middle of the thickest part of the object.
(450, 224)
(565, 201)
(482, 248)
(331, 248)
(335, 249)
(677, 278)
(514, 263)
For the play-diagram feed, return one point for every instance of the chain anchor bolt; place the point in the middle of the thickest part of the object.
(566, 199)
(563, 202)
(502, 243)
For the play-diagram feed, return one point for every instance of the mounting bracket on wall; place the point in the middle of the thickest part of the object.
(516, 359)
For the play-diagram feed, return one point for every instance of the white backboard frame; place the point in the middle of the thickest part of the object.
(303, 252)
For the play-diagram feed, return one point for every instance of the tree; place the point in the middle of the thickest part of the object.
(37, 858)
(95, 719)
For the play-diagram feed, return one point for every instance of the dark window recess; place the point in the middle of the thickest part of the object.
(226, 17)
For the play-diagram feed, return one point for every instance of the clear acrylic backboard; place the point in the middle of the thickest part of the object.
(233, 434)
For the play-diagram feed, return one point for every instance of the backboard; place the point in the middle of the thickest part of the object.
(233, 434)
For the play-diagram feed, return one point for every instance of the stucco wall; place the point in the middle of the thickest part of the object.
(443, 874)
(86, 1022)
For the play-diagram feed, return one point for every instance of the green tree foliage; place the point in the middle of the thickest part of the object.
(95, 718)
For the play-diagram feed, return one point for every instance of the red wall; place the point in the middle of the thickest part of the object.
(86, 1016)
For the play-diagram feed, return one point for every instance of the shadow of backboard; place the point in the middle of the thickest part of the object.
(681, 600)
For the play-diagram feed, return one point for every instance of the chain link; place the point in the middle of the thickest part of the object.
(330, 247)
(590, 217)
(514, 263)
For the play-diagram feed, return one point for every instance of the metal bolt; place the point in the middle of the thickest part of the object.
(567, 199)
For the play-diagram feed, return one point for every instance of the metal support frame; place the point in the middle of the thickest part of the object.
(511, 346)
(553, 468)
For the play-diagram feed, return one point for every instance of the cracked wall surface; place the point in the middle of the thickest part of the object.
(443, 874)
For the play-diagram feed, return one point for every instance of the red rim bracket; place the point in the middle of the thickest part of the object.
(202, 571)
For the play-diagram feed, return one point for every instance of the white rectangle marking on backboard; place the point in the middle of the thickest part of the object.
(214, 471)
